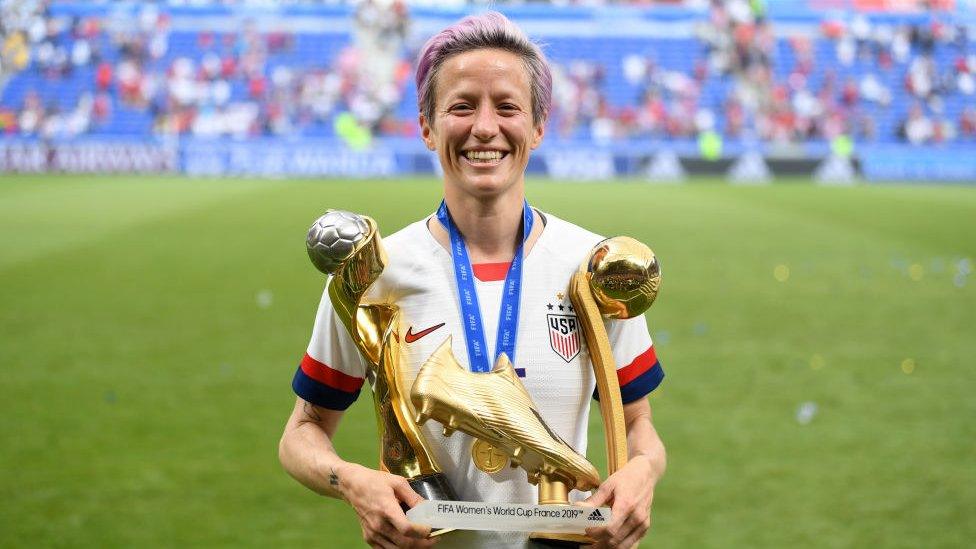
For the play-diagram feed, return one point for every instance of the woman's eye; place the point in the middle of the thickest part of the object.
(460, 107)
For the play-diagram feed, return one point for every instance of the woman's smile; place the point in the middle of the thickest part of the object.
(483, 129)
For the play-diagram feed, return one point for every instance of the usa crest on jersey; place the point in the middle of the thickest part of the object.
(564, 335)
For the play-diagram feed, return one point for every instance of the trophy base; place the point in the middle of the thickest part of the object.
(433, 487)
(553, 491)
(543, 539)
(553, 520)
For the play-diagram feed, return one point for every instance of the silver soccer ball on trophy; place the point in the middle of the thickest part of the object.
(333, 237)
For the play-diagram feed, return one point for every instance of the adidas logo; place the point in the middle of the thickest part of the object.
(596, 515)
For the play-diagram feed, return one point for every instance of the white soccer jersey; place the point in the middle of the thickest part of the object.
(551, 357)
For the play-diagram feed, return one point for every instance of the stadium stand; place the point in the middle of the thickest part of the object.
(789, 75)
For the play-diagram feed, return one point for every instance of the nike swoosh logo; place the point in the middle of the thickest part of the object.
(411, 337)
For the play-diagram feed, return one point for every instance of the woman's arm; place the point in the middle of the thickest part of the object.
(307, 453)
(630, 491)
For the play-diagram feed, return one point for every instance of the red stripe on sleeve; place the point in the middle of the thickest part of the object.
(490, 272)
(638, 366)
(333, 378)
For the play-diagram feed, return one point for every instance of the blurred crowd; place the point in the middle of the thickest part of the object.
(22, 24)
(743, 81)
(791, 100)
(228, 87)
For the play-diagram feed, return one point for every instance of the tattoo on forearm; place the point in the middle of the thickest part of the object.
(333, 478)
(311, 412)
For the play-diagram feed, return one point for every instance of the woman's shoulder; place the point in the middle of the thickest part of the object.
(408, 235)
(565, 238)
(411, 247)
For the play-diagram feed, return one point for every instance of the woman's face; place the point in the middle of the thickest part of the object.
(482, 128)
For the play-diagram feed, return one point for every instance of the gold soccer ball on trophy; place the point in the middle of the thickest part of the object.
(624, 275)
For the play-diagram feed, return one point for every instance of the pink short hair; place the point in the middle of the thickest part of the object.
(489, 30)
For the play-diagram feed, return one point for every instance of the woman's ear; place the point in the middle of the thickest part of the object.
(426, 133)
(538, 133)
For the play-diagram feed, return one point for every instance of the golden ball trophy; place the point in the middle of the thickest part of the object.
(620, 279)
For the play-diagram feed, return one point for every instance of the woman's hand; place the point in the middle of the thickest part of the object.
(629, 492)
(376, 497)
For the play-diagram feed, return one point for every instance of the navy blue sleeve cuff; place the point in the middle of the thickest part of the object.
(639, 387)
(321, 394)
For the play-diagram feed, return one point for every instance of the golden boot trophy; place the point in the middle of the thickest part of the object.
(348, 247)
(619, 280)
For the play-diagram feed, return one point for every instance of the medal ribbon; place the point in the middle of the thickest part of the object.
(474, 331)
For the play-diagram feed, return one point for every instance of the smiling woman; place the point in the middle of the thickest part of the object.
(471, 270)
(484, 91)
(482, 127)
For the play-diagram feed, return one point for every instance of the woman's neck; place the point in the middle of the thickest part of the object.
(491, 228)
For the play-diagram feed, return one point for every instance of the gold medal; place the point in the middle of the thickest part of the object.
(487, 458)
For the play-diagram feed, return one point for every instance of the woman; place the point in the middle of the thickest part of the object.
(484, 93)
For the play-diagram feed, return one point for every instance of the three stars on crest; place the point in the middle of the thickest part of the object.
(560, 296)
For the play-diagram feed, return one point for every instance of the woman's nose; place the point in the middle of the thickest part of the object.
(485, 125)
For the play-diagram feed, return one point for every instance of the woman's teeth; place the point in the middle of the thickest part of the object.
(483, 156)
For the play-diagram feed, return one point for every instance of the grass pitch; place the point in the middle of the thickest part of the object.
(818, 343)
